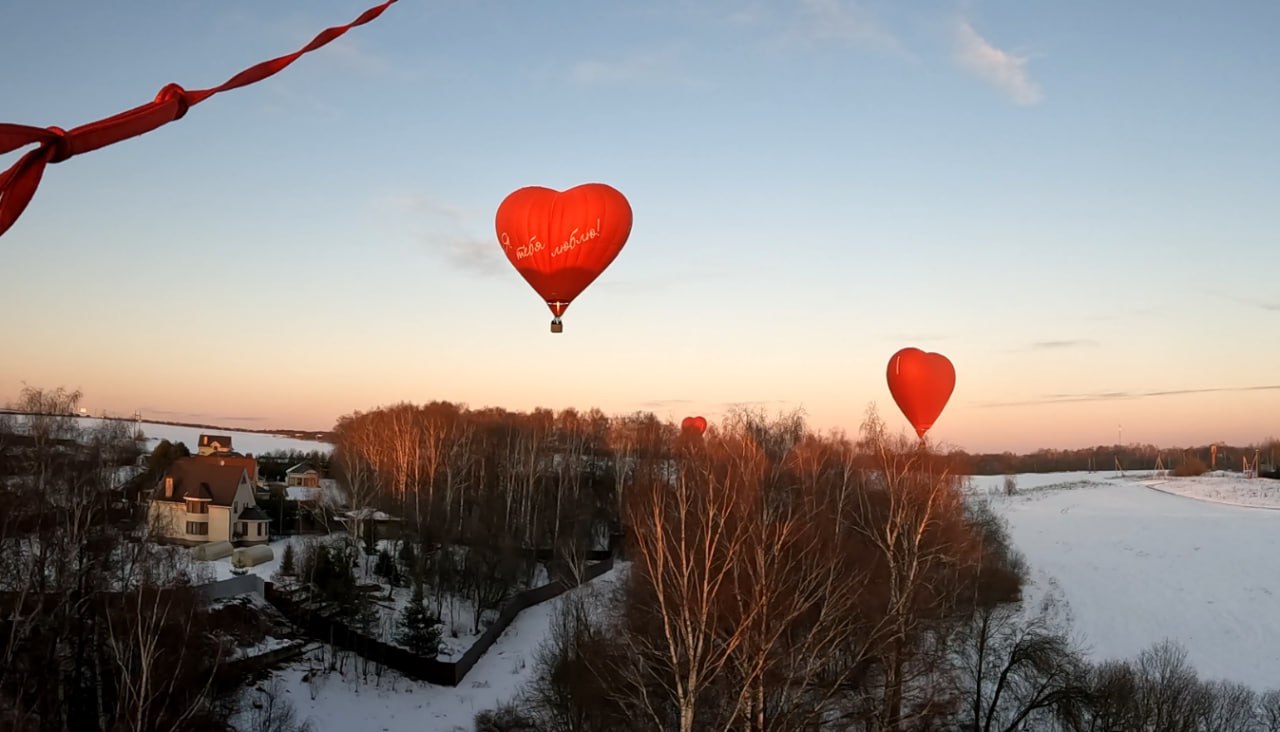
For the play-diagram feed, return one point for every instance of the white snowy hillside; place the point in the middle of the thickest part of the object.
(1141, 558)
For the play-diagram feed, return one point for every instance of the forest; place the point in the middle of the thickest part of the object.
(775, 579)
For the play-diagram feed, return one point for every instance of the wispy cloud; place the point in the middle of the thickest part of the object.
(349, 53)
(1109, 396)
(170, 414)
(750, 13)
(449, 231)
(661, 403)
(418, 203)
(1257, 302)
(752, 403)
(651, 67)
(847, 22)
(915, 338)
(1058, 345)
(469, 254)
(1006, 71)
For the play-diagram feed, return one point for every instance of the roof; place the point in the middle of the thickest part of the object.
(202, 477)
(224, 440)
(233, 458)
(301, 468)
(302, 493)
(253, 513)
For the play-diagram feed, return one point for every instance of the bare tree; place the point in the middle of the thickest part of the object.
(1016, 670)
(687, 538)
(911, 516)
(1269, 710)
(269, 710)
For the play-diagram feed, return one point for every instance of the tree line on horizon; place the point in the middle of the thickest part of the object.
(1106, 458)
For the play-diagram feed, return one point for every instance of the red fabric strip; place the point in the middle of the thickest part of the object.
(18, 184)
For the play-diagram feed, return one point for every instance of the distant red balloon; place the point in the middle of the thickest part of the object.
(696, 424)
(921, 384)
(560, 242)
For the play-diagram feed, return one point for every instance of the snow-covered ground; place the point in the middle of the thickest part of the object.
(456, 613)
(1137, 565)
(256, 443)
(1134, 564)
(337, 703)
(1228, 488)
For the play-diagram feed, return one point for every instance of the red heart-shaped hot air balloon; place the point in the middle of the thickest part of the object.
(921, 384)
(560, 242)
(696, 424)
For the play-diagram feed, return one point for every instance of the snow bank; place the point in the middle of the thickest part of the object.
(1231, 489)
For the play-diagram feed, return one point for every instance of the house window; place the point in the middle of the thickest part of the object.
(198, 528)
(197, 507)
(262, 529)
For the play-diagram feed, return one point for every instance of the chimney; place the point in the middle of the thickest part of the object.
(168, 486)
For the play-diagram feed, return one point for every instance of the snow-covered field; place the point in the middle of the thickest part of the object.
(243, 442)
(1137, 565)
(338, 703)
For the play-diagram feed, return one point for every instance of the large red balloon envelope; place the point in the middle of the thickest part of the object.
(921, 384)
(560, 242)
(694, 424)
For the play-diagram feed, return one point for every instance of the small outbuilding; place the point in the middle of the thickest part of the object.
(252, 556)
(213, 550)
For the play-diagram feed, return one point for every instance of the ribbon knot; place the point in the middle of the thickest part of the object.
(59, 144)
(174, 93)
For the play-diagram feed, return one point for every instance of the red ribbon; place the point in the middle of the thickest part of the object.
(18, 184)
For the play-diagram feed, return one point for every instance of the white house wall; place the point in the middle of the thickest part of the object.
(219, 523)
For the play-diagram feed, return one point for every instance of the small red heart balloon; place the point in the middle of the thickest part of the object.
(921, 384)
(697, 424)
(560, 242)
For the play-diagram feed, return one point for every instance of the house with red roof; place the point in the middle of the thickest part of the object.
(206, 499)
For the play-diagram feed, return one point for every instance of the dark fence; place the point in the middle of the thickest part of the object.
(253, 664)
(522, 600)
(245, 583)
(432, 670)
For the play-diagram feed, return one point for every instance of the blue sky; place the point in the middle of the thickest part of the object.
(1074, 202)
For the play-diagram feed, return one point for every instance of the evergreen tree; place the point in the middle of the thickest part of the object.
(419, 631)
(287, 562)
(386, 567)
(408, 559)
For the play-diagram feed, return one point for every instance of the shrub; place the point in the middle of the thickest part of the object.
(1010, 485)
(506, 718)
(385, 568)
(1192, 465)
